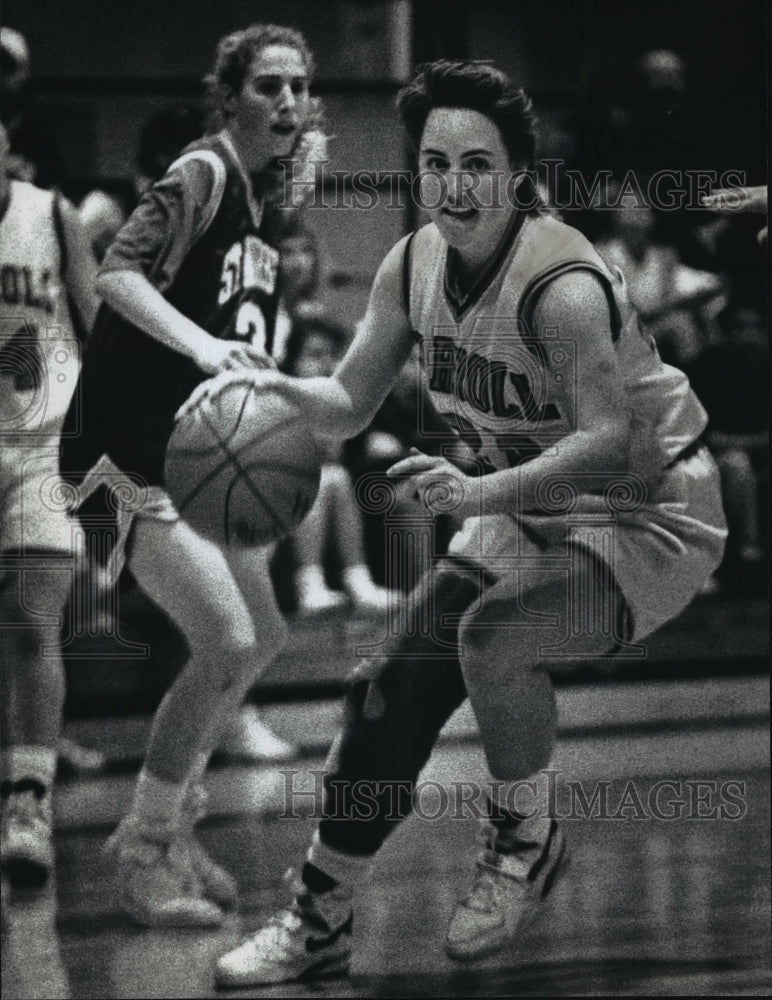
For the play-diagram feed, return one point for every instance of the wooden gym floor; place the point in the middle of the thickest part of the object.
(649, 905)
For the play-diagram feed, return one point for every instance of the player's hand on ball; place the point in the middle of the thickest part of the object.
(231, 355)
(436, 484)
(268, 378)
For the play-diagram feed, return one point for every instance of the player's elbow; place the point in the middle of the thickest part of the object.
(356, 420)
(113, 286)
(105, 286)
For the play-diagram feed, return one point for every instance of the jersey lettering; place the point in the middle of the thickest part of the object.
(19, 286)
(486, 384)
(250, 325)
(248, 264)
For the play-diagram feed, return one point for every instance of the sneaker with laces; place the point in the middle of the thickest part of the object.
(505, 887)
(310, 939)
(159, 883)
(219, 885)
(26, 835)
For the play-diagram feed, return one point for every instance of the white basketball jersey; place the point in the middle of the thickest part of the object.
(39, 351)
(511, 394)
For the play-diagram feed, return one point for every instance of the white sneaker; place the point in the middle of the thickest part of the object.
(248, 738)
(374, 598)
(505, 887)
(159, 883)
(319, 600)
(314, 596)
(219, 885)
(26, 837)
(310, 939)
(79, 759)
(365, 594)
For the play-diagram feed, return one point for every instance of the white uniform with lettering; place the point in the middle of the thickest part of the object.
(39, 364)
(513, 396)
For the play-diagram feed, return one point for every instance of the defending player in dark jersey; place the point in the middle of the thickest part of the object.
(190, 290)
(595, 514)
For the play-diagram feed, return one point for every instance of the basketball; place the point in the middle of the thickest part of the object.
(243, 467)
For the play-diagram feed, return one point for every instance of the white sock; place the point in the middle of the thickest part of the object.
(157, 802)
(534, 827)
(33, 762)
(357, 578)
(349, 870)
(310, 579)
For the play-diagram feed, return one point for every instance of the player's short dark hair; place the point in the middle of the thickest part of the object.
(478, 86)
(236, 52)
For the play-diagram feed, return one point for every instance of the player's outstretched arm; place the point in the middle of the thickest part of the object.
(382, 346)
(132, 295)
(727, 201)
(344, 404)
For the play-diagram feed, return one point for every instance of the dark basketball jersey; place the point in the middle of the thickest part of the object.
(198, 237)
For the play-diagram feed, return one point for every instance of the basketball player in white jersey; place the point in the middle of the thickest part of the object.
(45, 264)
(531, 348)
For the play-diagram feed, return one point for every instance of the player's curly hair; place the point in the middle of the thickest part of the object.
(478, 86)
(236, 52)
(233, 58)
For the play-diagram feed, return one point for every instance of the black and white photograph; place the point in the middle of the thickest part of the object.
(384, 499)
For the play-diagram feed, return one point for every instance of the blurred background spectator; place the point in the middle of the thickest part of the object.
(678, 304)
(731, 378)
(34, 152)
(334, 522)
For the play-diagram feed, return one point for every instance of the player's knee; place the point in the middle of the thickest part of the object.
(482, 638)
(381, 730)
(222, 632)
(242, 648)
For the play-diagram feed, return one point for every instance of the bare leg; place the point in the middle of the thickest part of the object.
(309, 540)
(348, 531)
(30, 659)
(33, 686)
(191, 580)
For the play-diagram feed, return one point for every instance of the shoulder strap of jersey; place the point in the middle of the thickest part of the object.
(78, 325)
(537, 285)
(406, 263)
(406, 272)
(218, 187)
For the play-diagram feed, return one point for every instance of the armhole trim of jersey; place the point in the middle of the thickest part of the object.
(406, 268)
(538, 284)
(78, 326)
(218, 188)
